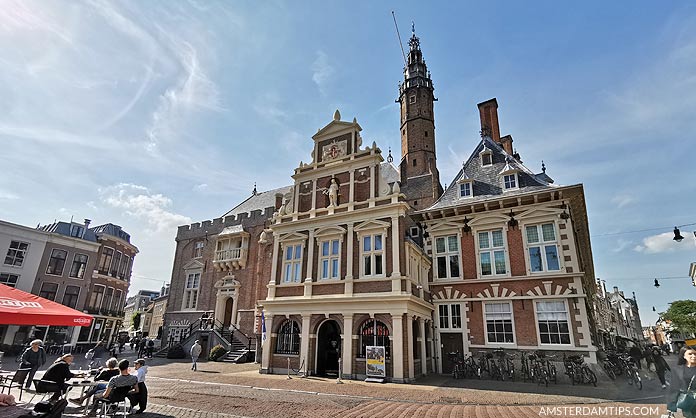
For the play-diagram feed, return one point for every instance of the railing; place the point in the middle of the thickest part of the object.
(231, 254)
(221, 328)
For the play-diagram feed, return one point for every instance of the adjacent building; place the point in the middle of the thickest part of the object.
(87, 269)
(358, 252)
(135, 304)
(618, 321)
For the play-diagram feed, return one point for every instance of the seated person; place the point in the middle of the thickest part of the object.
(139, 398)
(59, 372)
(104, 375)
(122, 380)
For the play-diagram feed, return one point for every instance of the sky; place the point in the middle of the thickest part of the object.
(155, 114)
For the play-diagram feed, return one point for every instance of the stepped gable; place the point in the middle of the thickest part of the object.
(487, 181)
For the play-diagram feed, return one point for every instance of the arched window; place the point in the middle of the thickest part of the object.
(288, 341)
(374, 333)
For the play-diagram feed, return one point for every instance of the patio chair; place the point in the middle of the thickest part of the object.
(46, 387)
(15, 381)
(115, 404)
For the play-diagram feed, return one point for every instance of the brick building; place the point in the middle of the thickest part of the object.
(357, 252)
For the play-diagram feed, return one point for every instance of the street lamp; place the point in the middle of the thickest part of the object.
(677, 235)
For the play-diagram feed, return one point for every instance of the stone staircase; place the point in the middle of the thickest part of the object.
(238, 352)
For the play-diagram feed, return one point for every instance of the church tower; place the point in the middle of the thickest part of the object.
(420, 178)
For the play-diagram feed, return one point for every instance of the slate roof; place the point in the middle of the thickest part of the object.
(389, 172)
(63, 228)
(113, 230)
(487, 181)
(259, 201)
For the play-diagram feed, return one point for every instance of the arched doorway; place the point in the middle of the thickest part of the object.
(227, 319)
(328, 349)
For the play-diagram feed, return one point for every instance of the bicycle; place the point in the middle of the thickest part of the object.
(548, 365)
(505, 365)
(578, 371)
(458, 369)
(609, 367)
(540, 373)
(631, 370)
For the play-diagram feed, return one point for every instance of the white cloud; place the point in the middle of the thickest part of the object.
(622, 200)
(200, 187)
(139, 202)
(322, 71)
(8, 195)
(621, 244)
(665, 242)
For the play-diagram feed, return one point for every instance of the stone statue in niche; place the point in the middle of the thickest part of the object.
(332, 191)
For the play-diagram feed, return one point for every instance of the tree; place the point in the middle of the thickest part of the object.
(136, 320)
(682, 315)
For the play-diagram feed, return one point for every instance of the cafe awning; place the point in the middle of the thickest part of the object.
(21, 308)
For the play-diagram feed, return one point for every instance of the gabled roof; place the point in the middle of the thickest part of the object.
(487, 181)
(258, 201)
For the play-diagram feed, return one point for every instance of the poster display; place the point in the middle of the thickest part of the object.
(375, 355)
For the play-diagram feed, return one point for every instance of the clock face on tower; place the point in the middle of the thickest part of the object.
(334, 150)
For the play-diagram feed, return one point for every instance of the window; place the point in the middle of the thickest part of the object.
(447, 257)
(542, 247)
(124, 269)
(57, 262)
(552, 317)
(198, 249)
(486, 158)
(492, 253)
(16, 253)
(414, 231)
(288, 341)
(72, 293)
(329, 259)
(510, 181)
(450, 316)
(49, 290)
(9, 279)
(292, 264)
(113, 272)
(372, 255)
(76, 231)
(79, 265)
(374, 333)
(426, 134)
(412, 99)
(106, 303)
(117, 300)
(105, 260)
(414, 162)
(499, 323)
(97, 296)
(191, 290)
(465, 189)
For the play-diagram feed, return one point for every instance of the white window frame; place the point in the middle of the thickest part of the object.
(198, 249)
(84, 268)
(77, 301)
(492, 250)
(16, 251)
(449, 315)
(123, 267)
(191, 290)
(568, 320)
(330, 259)
(485, 323)
(115, 264)
(447, 254)
(62, 269)
(470, 188)
(542, 244)
(373, 254)
(514, 178)
(294, 275)
(8, 275)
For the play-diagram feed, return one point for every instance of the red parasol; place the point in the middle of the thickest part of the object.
(21, 308)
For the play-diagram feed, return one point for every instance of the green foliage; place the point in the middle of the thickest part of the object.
(136, 320)
(682, 315)
(217, 352)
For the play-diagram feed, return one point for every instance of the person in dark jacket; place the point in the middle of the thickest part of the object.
(636, 354)
(33, 358)
(59, 372)
(683, 380)
(661, 365)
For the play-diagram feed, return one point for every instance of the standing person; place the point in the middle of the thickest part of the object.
(139, 398)
(141, 347)
(195, 353)
(683, 382)
(150, 347)
(59, 372)
(648, 355)
(33, 358)
(636, 354)
(661, 366)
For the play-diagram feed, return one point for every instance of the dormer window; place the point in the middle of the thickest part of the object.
(466, 189)
(510, 181)
(509, 176)
(486, 157)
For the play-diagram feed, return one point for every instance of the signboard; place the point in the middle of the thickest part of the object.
(691, 342)
(375, 355)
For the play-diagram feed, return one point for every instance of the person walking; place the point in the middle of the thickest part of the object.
(139, 398)
(636, 354)
(683, 384)
(661, 366)
(33, 358)
(196, 350)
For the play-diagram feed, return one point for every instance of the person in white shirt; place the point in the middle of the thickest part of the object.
(139, 398)
(196, 350)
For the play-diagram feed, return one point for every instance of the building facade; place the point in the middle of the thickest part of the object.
(138, 303)
(358, 253)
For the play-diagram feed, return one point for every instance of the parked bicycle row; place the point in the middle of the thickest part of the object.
(535, 366)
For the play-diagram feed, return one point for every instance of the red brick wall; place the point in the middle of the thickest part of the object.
(328, 289)
(516, 252)
(468, 256)
(369, 287)
(362, 185)
(476, 323)
(525, 322)
(282, 291)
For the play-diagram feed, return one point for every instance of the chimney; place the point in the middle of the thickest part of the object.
(616, 289)
(488, 111)
(506, 142)
(87, 222)
(278, 200)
